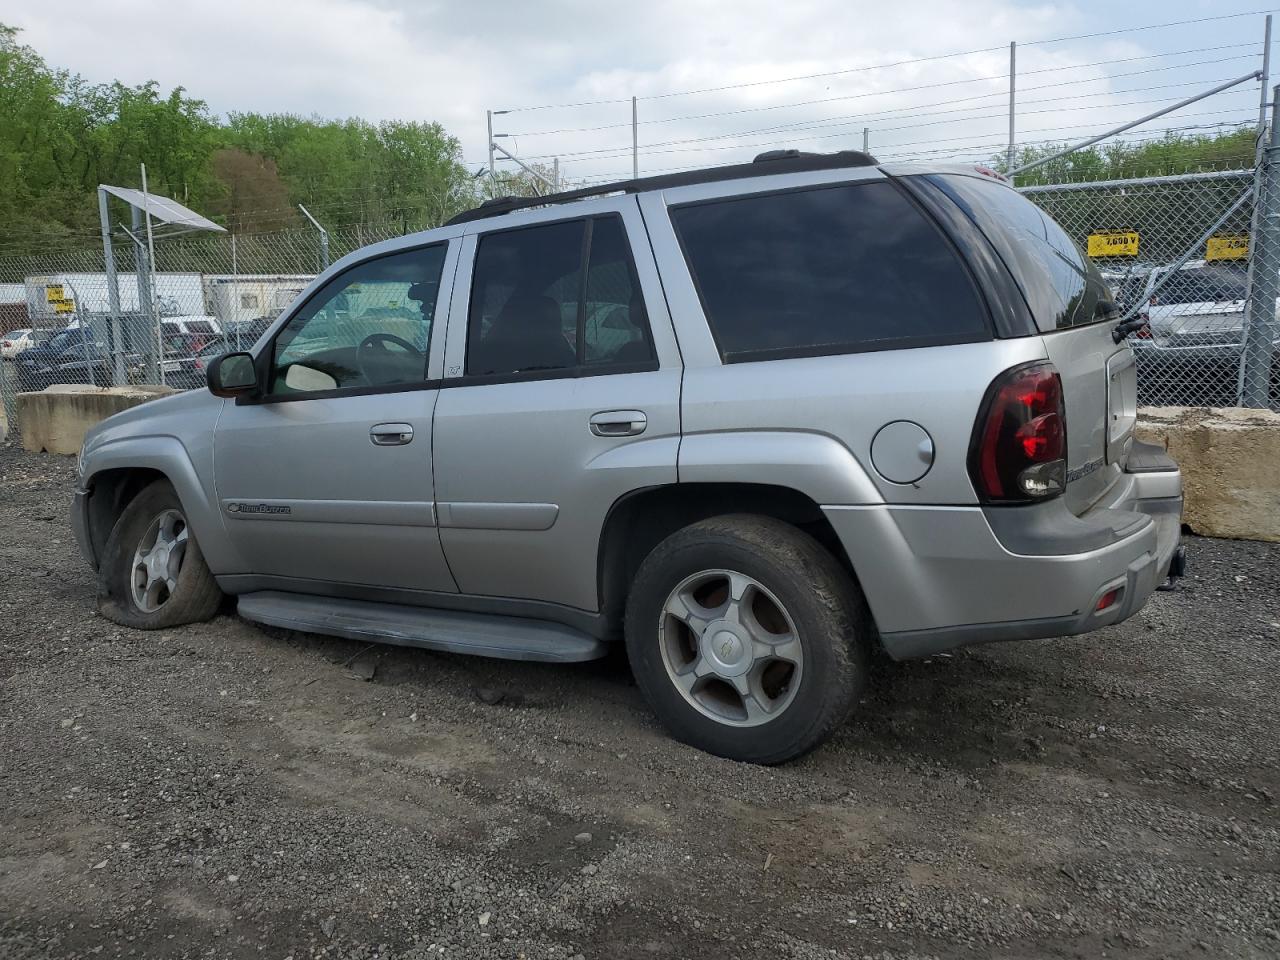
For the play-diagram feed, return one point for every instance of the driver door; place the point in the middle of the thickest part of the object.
(326, 479)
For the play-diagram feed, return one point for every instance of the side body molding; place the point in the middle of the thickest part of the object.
(814, 464)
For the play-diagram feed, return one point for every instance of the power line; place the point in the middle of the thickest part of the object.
(861, 120)
(884, 66)
(1021, 73)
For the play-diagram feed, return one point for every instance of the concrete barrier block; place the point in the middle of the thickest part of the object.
(55, 420)
(1230, 460)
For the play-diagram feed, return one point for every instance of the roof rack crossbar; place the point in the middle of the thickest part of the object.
(774, 161)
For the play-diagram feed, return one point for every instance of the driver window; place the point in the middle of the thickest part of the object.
(369, 326)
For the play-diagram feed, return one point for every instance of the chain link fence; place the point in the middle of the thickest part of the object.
(61, 322)
(1180, 252)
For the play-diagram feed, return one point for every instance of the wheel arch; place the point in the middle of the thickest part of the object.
(116, 472)
(640, 520)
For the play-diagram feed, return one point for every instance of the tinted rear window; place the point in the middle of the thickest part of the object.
(1062, 287)
(828, 270)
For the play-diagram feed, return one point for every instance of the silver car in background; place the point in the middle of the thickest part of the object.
(757, 423)
(1189, 352)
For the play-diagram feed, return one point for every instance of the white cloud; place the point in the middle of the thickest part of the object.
(449, 62)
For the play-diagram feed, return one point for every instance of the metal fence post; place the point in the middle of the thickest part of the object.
(113, 290)
(1260, 328)
(324, 238)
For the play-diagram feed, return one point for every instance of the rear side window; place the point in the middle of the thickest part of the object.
(1062, 287)
(828, 270)
(556, 297)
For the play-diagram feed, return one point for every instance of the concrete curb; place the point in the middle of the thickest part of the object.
(1230, 460)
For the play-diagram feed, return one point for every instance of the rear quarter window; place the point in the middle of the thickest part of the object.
(1062, 287)
(827, 270)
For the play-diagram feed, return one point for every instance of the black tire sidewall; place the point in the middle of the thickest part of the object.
(115, 597)
(799, 573)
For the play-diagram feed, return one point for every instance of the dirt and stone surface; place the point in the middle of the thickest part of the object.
(225, 791)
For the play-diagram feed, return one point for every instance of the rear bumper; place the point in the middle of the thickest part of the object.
(937, 578)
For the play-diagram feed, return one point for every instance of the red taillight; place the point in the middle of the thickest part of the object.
(1019, 450)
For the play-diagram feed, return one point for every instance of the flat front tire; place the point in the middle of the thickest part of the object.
(152, 573)
(747, 638)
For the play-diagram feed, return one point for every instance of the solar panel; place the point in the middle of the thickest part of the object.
(163, 209)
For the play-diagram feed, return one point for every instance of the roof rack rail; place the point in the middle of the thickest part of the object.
(771, 162)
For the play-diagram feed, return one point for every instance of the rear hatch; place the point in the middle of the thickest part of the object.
(1072, 309)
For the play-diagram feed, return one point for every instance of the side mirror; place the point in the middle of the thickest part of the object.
(233, 375)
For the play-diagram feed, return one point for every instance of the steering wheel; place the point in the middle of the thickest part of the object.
(380, 339)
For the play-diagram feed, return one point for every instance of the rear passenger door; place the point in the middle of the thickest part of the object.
(561, 395)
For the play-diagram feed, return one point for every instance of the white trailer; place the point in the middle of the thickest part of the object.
(54, 300)
(238, 298)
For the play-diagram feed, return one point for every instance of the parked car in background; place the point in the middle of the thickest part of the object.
(752, 421)
(206, 326)
(14, 342)
(72, 353)
(187, 357)
(1190, 350)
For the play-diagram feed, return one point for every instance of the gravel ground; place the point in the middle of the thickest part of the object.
(225, 791)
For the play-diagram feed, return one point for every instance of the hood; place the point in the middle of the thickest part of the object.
(163, 415)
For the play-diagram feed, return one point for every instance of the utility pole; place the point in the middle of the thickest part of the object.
(635, 141)
(866, 139)
(555, 174)
(1013, 76)
(488, 120)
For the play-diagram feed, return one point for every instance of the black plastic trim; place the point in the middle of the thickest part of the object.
(1005, 300)
(766, 164)
(587, 621)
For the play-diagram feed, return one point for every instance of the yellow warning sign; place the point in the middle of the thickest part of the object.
(53, 292)
(1113, 243)
(1227, 248)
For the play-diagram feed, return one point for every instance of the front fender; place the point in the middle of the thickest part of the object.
(169, 456)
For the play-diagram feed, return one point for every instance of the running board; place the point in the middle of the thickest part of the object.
(487, 635)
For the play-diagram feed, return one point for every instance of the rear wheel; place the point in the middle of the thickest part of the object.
(152, 573)
(747, 638)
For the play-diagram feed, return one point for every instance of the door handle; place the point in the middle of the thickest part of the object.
(618, 423)
(391, 434)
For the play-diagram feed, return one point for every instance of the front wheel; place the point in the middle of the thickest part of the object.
(152, 573)
(747, 638)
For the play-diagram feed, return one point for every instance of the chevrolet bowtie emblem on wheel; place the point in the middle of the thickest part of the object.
(258, 508)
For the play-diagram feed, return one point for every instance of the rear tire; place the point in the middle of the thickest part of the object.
(747, 638)
(152, 573)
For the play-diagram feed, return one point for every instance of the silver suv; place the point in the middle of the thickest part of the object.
(758, 422)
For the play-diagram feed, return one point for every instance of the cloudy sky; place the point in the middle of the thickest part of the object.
(717, 80)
